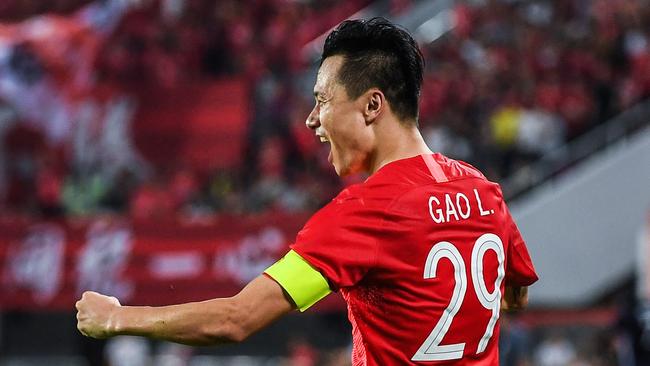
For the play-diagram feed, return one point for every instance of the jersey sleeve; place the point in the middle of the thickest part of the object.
(340, 240)
(519, 267)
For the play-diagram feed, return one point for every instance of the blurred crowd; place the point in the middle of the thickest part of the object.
(70, 82)
(516, 79)
(511, 81)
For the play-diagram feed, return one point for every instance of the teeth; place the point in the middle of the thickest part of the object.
(323, 139)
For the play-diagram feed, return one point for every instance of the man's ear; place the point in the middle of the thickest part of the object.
(375, 104)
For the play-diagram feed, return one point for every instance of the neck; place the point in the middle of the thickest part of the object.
(396, 141)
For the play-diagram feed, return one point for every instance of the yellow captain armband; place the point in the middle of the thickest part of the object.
(304, 284)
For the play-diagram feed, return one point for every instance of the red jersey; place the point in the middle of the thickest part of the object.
(421, 252)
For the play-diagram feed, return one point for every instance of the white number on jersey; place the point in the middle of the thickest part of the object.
(431, 349)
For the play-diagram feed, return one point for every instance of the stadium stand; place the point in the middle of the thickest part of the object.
(189, 114)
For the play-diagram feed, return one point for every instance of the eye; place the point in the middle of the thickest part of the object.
(321, 100)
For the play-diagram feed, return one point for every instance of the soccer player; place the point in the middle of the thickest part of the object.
(424, 252)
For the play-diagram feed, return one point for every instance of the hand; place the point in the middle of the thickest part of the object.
(514, 298)
(95, 314)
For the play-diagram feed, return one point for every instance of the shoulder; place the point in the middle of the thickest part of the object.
(355, 200)
(456, 169)
(357, 205)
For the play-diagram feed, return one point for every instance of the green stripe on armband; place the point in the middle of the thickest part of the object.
(300, 280)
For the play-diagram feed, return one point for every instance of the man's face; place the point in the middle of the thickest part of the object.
(340, 121)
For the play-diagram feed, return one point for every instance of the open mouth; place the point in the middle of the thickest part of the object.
(325, 140)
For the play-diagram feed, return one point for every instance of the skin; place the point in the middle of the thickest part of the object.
(364, 135)
(514, 298)
(216, 321)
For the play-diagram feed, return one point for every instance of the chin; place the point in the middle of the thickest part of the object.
(342, 174)
(341, 171)
(347, 170)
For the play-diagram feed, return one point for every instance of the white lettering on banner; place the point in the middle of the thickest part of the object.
(36, 262)
(455, 209)
(251, 257)
(177, 264)
(103, 260)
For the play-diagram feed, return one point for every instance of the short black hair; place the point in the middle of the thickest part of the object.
(378, 53)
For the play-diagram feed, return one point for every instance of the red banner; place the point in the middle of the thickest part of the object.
(47, 265)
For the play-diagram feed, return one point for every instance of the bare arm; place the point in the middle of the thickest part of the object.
(514, 298)
(214, 321)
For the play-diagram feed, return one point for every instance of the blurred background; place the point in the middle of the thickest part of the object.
(155, 150)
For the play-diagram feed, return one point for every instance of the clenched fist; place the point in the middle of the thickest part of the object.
(96, 314)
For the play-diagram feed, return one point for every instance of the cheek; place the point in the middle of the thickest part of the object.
(342, 127)
(351, 134)
(325, 115)
(329, 120)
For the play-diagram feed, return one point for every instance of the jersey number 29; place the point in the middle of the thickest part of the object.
(431, 349)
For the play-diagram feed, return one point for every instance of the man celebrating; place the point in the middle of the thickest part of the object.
(424, 252)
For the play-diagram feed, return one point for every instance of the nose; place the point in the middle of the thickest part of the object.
(313, 122)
